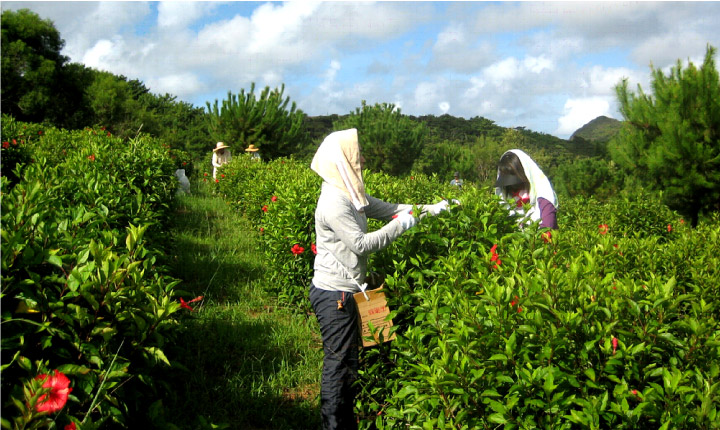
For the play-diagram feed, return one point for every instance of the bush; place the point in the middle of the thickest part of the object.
(85, 292)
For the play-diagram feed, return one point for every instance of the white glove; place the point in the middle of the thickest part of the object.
(438, 207)
(406, 219)
(456, 202)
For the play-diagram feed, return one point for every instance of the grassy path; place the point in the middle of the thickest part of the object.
(250, 363)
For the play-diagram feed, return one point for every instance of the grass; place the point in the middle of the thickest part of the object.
(248, 363)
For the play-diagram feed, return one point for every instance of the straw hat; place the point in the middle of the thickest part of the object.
(252, 148)
(219, 146)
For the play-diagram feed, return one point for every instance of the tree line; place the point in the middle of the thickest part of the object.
(668, 141)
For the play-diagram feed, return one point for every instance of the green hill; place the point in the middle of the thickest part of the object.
(601, 129)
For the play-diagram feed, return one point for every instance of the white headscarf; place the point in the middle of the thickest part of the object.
(337, 161)
(539, 186)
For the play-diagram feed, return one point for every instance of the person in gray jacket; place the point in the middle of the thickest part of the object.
(343, 245)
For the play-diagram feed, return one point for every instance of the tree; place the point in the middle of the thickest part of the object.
(390, 141)
(263, 121)
(31, 62)
(670, 139)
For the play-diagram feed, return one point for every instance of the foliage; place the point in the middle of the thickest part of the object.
(610, 324)
(389, 140)
(671, 138)
(84, 288)
(589, 177)
(265, 121)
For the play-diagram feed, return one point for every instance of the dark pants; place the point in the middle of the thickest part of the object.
(340, 336)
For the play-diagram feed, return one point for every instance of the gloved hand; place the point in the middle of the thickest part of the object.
(456, 202)
(438, 207)
(406, 219)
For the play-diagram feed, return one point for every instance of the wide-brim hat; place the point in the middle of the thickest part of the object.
(252, 148)
(507, 180)
(219, 146)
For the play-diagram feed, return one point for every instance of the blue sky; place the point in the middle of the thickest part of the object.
(547, 66)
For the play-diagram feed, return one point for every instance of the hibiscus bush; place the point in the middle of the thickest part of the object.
(87, 305)
(610, 322)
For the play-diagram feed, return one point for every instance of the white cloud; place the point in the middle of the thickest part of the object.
(444, 107)
(180, 14)
(186, 83)
(578, 112)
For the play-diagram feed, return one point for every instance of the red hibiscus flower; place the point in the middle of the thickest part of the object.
(297, 249)
(515, 301)
(265, 208)
(184, 163)
(70, 426)
(186, 305)
(217, 181)
(91, 157)
(603, 228)
(273, 199)
(59, 386)
(669, 228)
(6, 145)
(547, 236)
(109, 134)
(206, 173)
(614, 344)
(222, 175)
(313, 248)
(14, 142)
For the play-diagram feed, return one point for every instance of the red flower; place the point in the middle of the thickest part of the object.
(262, 230)
(108, 134)
(222, 175)
(273, 199)
(519, 309)
(54, 400)
(186, 305)
(40, 132)
(14, 142)
(217, 181)
(493, 249)
(91, 157)
(682, 221)
(313, 248)
(515, 301)
(206, 173)
(634, 392)
(297, 249)
(71, 426)
(547, 236)
(265, 208)
(669, 228)
(614, 344)
(6, 145)
(184, 163)
(603, 228)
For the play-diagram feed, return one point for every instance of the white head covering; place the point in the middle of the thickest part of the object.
(337, 161)
(539, 185)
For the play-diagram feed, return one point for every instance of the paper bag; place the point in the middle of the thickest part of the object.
(374, 310)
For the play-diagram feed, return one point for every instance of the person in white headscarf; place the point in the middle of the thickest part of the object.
(526, 190)
(343, 245)
(221, 155)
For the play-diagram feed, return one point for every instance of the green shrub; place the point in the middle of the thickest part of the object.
(84, 288)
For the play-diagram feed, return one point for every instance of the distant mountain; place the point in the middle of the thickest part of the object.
(599, 130)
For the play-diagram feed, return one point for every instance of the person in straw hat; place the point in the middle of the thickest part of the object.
(343, 245)
(253, 151)
(221, 155)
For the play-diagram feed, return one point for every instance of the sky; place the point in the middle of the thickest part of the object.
(548, 66)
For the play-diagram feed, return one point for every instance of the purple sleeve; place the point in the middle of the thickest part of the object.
(547, 214)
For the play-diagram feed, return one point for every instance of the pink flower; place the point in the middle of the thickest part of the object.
(614, 344)
(54, 400)
(297, 249)
(603, 228)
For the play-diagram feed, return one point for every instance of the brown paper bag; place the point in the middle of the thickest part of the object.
(374, 310)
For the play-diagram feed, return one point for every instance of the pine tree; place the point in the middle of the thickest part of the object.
(263, 121)
(390, 141)
(670, 139)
